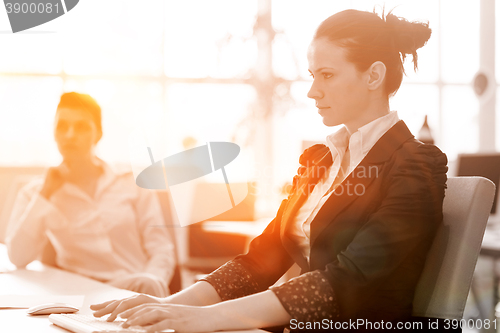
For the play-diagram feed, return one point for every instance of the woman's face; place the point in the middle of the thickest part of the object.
(339, 89)
(76, 133)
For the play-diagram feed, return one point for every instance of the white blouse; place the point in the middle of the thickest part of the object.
(118, 231)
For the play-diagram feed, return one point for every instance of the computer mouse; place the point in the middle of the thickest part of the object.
(49, 308)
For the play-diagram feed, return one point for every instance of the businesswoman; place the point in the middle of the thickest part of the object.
(361, 216)
(100, 224)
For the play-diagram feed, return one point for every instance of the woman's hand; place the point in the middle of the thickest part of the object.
(144, 283)
(258, 310)
(54, 178)
(118, 306)
(199, 294)
(181, 318)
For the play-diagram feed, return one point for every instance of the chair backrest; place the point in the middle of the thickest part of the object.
(445, 282)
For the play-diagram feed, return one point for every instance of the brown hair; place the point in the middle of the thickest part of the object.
(74, 100)
(368, 38)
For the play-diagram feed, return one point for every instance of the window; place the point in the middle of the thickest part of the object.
(195, 68)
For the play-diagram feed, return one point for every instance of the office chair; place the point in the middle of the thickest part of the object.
(447, 275)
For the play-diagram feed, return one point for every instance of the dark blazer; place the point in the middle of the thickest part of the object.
(368, 245)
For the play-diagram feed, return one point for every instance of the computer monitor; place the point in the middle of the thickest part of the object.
(484, 165)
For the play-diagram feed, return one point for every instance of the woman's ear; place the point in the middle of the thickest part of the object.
(376, 75)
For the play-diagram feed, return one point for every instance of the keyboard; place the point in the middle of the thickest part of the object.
(89, 324)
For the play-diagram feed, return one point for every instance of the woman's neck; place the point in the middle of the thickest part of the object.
(84, 168)
(376, 109)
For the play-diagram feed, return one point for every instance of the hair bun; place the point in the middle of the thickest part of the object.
(408, 36)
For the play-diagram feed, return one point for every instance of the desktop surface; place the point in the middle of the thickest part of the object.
(39, 279)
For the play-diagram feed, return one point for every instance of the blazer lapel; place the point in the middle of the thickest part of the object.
(360, 178)
(293, 205)
(296, 200)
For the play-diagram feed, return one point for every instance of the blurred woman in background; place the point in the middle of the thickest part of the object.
(100, 223)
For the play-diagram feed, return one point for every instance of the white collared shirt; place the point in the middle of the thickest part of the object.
(347, 153)
(119, 231)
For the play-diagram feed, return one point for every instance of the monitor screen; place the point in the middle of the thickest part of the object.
(484, 165)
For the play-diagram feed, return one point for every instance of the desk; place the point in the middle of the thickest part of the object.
(38, 279)
(250, 229)
(205, 246)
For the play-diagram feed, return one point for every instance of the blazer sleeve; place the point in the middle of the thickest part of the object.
(405, 221)
(266, 261)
